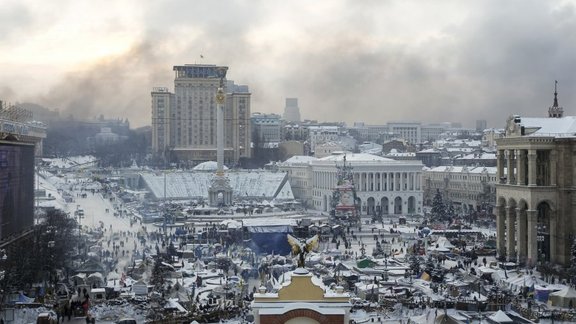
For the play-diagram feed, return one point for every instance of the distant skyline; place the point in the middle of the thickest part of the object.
(345, 60)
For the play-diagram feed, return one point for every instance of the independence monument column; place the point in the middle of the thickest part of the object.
(220, 192)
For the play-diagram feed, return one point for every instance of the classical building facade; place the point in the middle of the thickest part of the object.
(383, 186)
(536, 208)
(470, 189)
(184, 122)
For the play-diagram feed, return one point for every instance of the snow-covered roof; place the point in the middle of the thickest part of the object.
(68, 162)
(482, 156)
(355, 157)
(186, 185)
(565, 126)
(401, 154)
(300, 159)
(461, 169)
(208, 166)
(500, 317)
(430, 150)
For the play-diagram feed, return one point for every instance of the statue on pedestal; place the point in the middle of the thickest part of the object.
(301, 248)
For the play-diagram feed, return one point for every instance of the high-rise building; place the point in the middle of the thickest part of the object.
(184, 122)
(291, 111)
(481, 125)
(20, 139)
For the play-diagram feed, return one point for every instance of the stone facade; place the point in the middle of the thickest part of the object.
(383, 186)
(536, 205)
(184, 122)
(303, 300)
(470, 189)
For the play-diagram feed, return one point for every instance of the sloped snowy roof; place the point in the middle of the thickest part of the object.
(500, 317)
(186, 185)
(208, 166)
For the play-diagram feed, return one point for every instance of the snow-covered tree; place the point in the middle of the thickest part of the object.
(438, 208)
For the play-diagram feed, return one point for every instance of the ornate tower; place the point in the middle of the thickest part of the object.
(220, 191)
(555, 111)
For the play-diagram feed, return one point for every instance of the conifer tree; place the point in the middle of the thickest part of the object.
(438, 208)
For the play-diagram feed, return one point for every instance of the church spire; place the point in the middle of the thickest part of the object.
(555, 111)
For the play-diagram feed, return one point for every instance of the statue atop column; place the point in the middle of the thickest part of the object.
(220, 191)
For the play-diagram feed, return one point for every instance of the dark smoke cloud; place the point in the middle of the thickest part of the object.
(117, 87)
(346, 60)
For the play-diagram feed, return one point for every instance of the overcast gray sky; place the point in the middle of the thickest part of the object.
(351, 60)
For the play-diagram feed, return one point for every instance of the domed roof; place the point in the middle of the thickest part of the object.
(208, 166)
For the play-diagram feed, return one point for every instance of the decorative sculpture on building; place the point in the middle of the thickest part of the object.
(344, 202)
(301, 248)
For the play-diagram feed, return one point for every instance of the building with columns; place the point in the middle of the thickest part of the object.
(536, 208)
(383, 186)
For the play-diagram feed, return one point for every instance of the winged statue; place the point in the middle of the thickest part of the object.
(301, 248)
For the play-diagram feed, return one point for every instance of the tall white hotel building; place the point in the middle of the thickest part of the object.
(184, 122)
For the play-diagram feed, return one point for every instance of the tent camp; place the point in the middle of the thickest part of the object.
(564, 298)
(520, 281)
(500, 317)
(442, 245)
(95, 280)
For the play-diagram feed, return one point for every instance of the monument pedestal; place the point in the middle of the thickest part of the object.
(220, 191)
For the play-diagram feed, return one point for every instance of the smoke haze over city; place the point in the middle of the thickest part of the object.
(372, 61)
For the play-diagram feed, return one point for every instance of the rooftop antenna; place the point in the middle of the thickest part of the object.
(555, 94)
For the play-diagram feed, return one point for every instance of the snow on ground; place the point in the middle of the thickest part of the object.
(99, 211)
